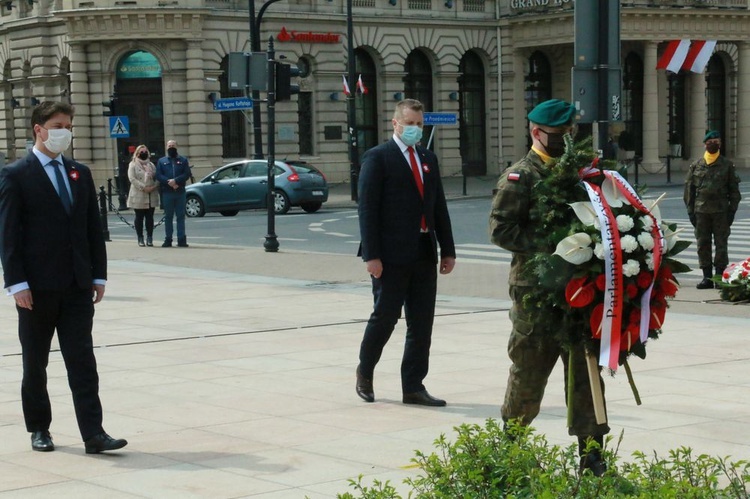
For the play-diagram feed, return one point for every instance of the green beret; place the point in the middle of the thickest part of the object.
(712, 134)
(553, 113)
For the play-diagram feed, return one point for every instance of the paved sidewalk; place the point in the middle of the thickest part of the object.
(231, 373)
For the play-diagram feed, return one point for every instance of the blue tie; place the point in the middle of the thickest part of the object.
(62, 188)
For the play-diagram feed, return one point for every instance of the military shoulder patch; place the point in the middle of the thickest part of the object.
(514, 177)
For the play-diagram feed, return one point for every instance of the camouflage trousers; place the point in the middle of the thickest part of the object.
(534, 353)
(714, 226)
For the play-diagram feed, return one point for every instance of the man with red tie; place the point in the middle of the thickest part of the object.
(403, 217)
(55, 267)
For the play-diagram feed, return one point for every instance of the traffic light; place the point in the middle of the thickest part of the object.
(284, 86)
(109, 106)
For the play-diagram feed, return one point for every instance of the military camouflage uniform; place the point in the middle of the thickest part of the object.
(532, 348)
(712, 195)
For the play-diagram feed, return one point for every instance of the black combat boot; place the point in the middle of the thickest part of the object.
(719, 271)
(706, 283)
(592, 460)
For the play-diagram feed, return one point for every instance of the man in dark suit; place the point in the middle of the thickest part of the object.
(55, 267)
(403, 216)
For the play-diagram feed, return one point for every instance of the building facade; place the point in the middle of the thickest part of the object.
(163, 62)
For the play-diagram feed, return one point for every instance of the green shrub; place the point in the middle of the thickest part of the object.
(488, 462)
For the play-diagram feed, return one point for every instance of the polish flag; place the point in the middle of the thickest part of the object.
(674, 56)
(698, 55)
(361, 86)
(347, 92)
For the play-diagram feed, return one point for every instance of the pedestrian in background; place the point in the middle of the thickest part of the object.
(532, 349)
(144, 195)
(172, 173)
(712, 196)
(403, 216)
(55, 267)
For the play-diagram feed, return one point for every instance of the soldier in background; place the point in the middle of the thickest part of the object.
(532, 348)
(712, 195)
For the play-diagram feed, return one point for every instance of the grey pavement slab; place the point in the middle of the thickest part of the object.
(231, 373)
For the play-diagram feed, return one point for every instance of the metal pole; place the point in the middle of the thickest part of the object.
(352, 115)
(271, 243)
(103, 212)
(255, 94)
(603, 74)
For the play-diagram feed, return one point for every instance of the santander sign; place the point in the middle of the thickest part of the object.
(306, 37)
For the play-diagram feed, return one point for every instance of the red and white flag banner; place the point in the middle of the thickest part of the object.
(347, 92)
(698, 55)
(688, 55)
(361, 85)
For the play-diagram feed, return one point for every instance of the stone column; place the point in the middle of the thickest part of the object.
(197, 102)
(698, 116)
(650, 108)
(742, 157)
(79, 98)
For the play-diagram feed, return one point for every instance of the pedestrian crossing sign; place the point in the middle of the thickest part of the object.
(119, 127)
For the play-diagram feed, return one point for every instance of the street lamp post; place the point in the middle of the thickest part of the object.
(351, 110)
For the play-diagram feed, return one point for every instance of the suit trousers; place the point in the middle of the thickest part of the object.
(412, 287)
(71, 313)
(174, 207)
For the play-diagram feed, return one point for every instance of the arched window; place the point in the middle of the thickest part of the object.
(366, 105)
(233, 135)
(677, 114)
(632, 100)
(418, 79)
(472, 139)
(716, 98)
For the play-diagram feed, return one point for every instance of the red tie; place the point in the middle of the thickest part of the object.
(417, 179)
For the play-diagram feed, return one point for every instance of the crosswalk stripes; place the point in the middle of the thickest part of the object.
(739, 248)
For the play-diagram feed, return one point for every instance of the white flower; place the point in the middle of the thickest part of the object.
(650, 261)
(669, 236)
(624, 223)
(599, 251)
(628, 244)
(575, 249)
(612, 194)
(631, 268)
(646, 241)
(584, 212)
(597, 224)
(648, 223)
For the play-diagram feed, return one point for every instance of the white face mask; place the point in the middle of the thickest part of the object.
(58, 140)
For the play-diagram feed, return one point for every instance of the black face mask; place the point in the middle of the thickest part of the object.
(712, 148)
(555, 143)
(143, 155)
(172, 152)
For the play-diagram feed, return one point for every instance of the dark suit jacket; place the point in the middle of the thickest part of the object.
(391, 209)
(39, 242)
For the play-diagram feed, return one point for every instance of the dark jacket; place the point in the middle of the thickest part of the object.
(168, 168)
(391, 208)
(39, 242)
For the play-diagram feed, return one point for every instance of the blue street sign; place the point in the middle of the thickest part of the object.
(119, 127)
(440, 119)
(233, 104)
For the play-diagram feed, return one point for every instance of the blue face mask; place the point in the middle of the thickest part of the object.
(411, 134)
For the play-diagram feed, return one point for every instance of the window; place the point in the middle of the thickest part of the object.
(677, 113)
(537, 85)
(305, 120)
(418, 85)
(472, 112)
(228, 173)
(256, 169)
(632, 100)
(716, 98)
(233, 135)
(366, 112)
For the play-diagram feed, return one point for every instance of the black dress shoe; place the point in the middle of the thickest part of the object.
(102, 442)
(593, 461)
(364, 388)
(423, 398)
(706, 283)
(42, 441)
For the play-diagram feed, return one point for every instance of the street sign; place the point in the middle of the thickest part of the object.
(233, 103)
(440, 119)
(119, 127)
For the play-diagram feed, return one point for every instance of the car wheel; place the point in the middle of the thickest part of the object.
(194, 207)
(280, 202)
(311, 207)
(229, 213)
